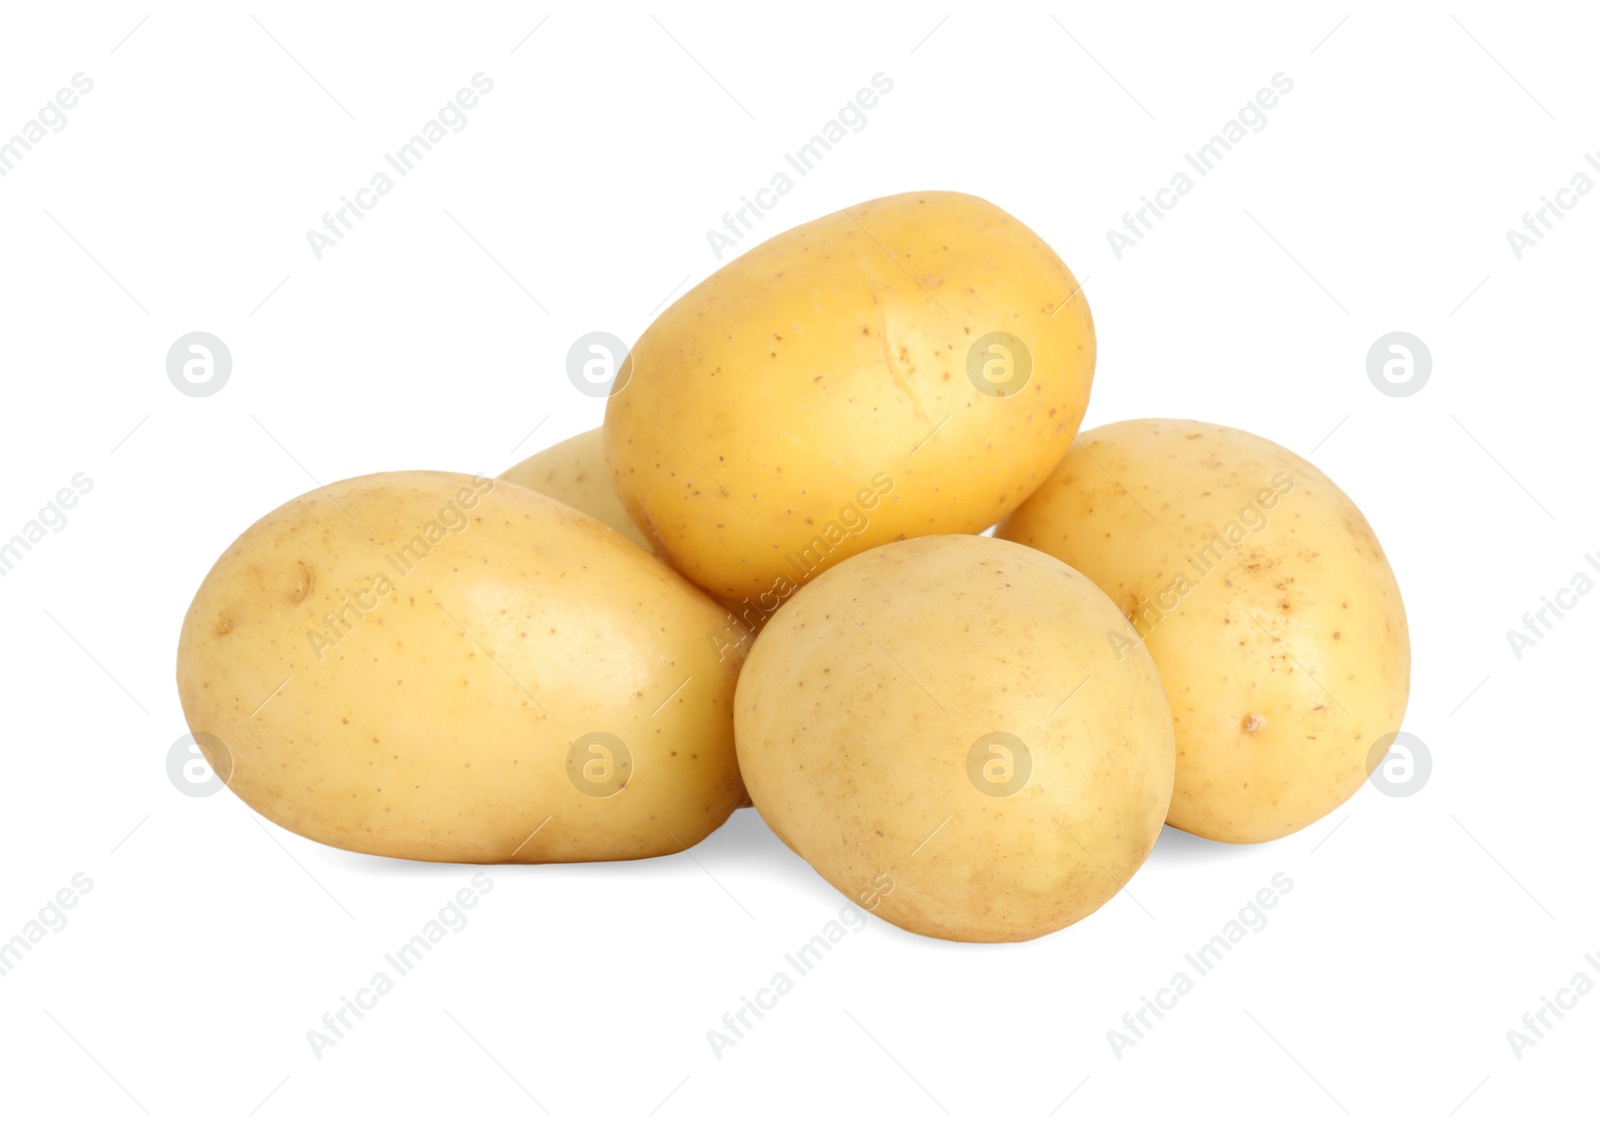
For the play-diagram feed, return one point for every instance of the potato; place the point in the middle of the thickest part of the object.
(1262, 595)
(912, 365)
(939, 729)
(443, 667)
(574, 472)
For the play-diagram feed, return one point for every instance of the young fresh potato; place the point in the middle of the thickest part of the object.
(1262, 595)
(912, 365)
(939, 729)
(574, 472)
(443, 667)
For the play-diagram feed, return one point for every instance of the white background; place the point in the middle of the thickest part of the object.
(577, 198)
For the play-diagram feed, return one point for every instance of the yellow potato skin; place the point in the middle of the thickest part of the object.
(824, 374)
(574, 471)
(437, 724)
(862, 700)
(1287, 657)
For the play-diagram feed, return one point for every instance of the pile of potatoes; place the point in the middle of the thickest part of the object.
(764, 581)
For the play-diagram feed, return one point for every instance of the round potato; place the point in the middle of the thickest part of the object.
(444, 667)
(1262, 595)
(574, 472)
(912, 365)
(938, 728)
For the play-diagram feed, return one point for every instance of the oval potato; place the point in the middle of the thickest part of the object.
(443, 667)
(1265, 600)
(938, 728)
(574, 472)
(820, 395)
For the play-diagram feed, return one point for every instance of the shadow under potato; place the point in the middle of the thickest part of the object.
(746, 844)
(1177, 848)
(745, 850)
(742, 846)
